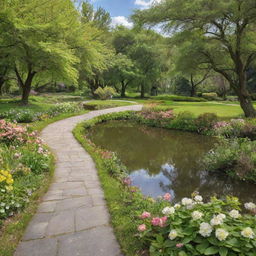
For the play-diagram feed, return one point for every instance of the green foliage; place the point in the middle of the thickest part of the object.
(234, 157)
(210, 96)
(24, 160)
(194, 228)
(206, 122)
(28, 116)
(177, 98)
(217, 37)
(105, 93)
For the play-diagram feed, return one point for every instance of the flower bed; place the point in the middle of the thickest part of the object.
(24, 163)
(28, 116)
(191, 227)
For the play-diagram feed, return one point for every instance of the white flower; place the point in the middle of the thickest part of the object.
(190, 206)
(186, 201)
(234, 214)
(177, 206)
(196, 215)
(248, 233)
(250, 206)
(221, 234)
(205, 229)
(168, 211)
(198, 198)
(173, 234)
(221, 216)
(216, 220)
(2, 210)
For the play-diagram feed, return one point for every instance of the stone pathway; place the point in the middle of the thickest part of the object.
(72, 218)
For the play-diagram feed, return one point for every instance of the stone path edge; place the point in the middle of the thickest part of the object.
(72, 218)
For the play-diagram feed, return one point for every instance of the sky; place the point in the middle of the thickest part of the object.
(120, 10)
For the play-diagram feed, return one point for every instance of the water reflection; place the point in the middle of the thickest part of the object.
(161, 160)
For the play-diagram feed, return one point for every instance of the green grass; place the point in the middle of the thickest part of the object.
(197, 108)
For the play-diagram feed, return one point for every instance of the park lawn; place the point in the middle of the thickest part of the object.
(197, 108)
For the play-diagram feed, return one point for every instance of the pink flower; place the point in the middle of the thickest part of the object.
(159, 221)
(167, 197)
(142, 228)
(179, 245)
(163, 221)
(145, 215)
(155, 221)
(127, 181)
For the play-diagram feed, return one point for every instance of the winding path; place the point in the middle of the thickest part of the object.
(72, 218)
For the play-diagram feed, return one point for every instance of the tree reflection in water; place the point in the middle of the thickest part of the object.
(161, 160)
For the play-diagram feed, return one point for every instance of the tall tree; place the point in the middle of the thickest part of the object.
(219, 33)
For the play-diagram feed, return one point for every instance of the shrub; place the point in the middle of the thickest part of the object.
(193, 228)
(20, 115)
(66, 107)
(105, 93)
(183, 121)
(210, 96)
(177, 98)
(236, 158)
(206, 122)
(232, 129)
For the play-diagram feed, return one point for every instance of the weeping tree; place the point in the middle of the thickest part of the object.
(217, 33)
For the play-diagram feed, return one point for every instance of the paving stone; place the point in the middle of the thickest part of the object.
(40, 247)
(73, 203)
(61, 223)
(47, 207)
(72, 192)
(37, 226)
(99, 241)
(91, 217)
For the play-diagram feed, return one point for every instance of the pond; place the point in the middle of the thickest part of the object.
(161, 161)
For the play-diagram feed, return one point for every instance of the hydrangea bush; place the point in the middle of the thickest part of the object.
(193, 227)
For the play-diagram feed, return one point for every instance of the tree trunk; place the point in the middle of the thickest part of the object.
(123, 89)
(193, 86)
(142, 90)
(26, 88)
(1, 86)
(246, 104)
(193, 91)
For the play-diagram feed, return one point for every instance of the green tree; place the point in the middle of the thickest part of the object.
(219, 33)
(121, 74)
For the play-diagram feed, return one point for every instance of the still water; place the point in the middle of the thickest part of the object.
(161, 161)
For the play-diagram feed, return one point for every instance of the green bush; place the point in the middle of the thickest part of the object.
(210, 96)
(177, 98)
(105, 93)
(236, 157)
(183, 121)
(20, 115)
(194, 228)
(206, 121)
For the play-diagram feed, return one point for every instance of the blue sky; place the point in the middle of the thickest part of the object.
(120, 10)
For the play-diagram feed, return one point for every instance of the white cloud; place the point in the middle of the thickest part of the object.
(121, 20)
(146, 3)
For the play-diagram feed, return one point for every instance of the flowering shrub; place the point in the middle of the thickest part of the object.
(20, 115)
(23, 160)
(11, 133)
(196, 228)
(6, 181)
(231, 129)
(27, 116)
(236, 157)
